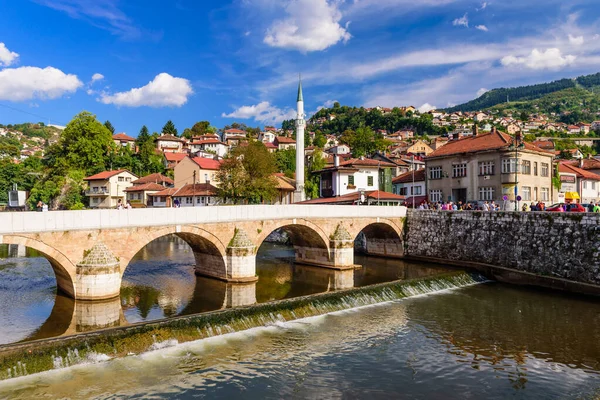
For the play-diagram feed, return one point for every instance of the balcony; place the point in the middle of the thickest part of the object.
(97, 192)
(508, 177)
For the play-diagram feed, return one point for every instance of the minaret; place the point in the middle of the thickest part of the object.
(300, 125)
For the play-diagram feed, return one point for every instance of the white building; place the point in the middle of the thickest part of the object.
(209, 146)
(412, 185)
(574, 179)
(107, 188)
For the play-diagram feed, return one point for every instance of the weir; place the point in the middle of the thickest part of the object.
(23, 359)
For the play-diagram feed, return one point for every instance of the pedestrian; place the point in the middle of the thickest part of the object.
(128, 205)
(525, 207)
(39, 206)
(591, 207)
(597, 208)
(532, 207)
(493, 206)
(44, 207)
(176, 203)
(486, 206)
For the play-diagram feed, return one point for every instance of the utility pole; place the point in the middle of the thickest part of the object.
(413, 181)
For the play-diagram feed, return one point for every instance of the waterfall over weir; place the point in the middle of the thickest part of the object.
(24, 359)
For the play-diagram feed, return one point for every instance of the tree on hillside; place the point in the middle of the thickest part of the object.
(169, 129)
(246, 175)
(363, 141)
(320, 141)
(312, 180)
(285, 161)
(109, 126)
(150, 162)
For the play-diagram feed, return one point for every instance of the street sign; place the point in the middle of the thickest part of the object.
(505, 197)
(518, 198)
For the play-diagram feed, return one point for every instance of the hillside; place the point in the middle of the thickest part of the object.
(28, 138)
(524, 93)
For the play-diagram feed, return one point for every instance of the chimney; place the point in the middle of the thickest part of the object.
(475, 130)
(494, 131)
(455, 136)
(581, 163)
(336, 160)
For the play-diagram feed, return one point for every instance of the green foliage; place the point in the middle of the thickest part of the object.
(320, 141)
(246, 175)
(312, 180)
(364, 142)
(285, 161)
(109, 126)
(169, 128)
(556, 179)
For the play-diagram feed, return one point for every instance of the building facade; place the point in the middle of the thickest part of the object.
(196, 170)
(488, 167)
(107, 188)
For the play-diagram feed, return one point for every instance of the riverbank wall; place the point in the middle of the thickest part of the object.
(554, 250)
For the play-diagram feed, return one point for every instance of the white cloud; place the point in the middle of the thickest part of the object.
(482, 28)
(26, 83)
(483, 6)
(6, 56)
(549, 59)
(97, 77)
(481, 91)
(311, 25)
(262, 112)
(462, 21)
(164, 90)
(426, 108)
(576, 40)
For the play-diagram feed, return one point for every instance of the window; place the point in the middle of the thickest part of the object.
(351, 180)
(593, 185)
(369, 181)
(509, 165)
(95, 189)
(486, 168)
(459, 170)
(139, 196)
(198, 201)
(436, 195)
(104, 189)
(535, 169)
(435, 172)
(121, 179)
(188, 200)
(545, 169)
(95, 200)
(403, 191)
(526, 167)
(162, 199)
(526, 193)
(585, 184)
(208, 199)
(205, 177)
(486, 193)
(545, 194)
(415, 190)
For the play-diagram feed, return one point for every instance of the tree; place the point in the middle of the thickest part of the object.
(169, 128)
(286, 161)
(246, 175)
(148, 161)
(336, 105)
(312, 180)
(524, 116)
(320, 141)
(364, 142)
(109, 126)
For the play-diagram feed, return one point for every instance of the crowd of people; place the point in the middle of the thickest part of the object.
(493, 206)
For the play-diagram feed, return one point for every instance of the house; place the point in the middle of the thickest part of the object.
(234, 137)
(480, 116)
(105, 189)
(487, 167)
(122, 140)
(284, 143)
(196, 170)
(595, 125)
(141, 195)
(572, 153)
(339, 149)
(513, 128)
(285, 189)
(401, 166)
(584, 128)
(196, 195)
(271, 147)
(573, 130)
(412, 185)
(438, 142)
(368, 198)
(575, 179)
(169, 144)
(211, 146)
(419, 148)
(589, 164)
(157, 178)
(355, 175)
(332, 141)
(170, 160)
(544, 144)
(164, 198)
(267, 136)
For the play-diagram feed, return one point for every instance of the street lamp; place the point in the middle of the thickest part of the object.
(517, 144)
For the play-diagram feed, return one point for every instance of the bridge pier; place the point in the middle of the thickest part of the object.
(98, 275)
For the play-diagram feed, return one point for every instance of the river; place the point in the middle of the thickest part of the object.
(487, 340)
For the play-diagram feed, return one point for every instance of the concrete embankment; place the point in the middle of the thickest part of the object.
(552, 250)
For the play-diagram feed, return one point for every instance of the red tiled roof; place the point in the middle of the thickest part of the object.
(155, 178)
(419, 176)
(367, 162)
(165, 192)
(122, 136)
(588, 163)
(175, 156)
(544, 144)
(198, 189)
(494, 140)
(269, 145)
(284, 140)
(239, 131)
(169, 138)
(581, 173)
(207, 141)
(150, 186)
(207, 163)
(105, 175)
(353, 197)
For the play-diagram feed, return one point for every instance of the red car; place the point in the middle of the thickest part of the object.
(567, 207)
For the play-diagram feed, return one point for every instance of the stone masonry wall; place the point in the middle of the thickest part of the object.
(563, 245)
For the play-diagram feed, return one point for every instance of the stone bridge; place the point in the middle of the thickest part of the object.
(89, 250)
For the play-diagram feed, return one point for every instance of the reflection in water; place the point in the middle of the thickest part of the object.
(470, 343)
(160, 283)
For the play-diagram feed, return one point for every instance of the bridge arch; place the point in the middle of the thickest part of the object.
(63, 268)
(209, 251)
(380, 238)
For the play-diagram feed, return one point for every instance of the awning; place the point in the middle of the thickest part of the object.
(417, 200)
(572, 196)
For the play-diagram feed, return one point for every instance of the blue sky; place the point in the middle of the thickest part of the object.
(145, 62)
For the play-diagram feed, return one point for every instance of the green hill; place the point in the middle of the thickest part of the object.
(525, 93)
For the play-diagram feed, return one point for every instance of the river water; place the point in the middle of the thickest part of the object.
(483, 341)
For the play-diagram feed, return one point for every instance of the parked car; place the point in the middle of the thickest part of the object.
(567, 207)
